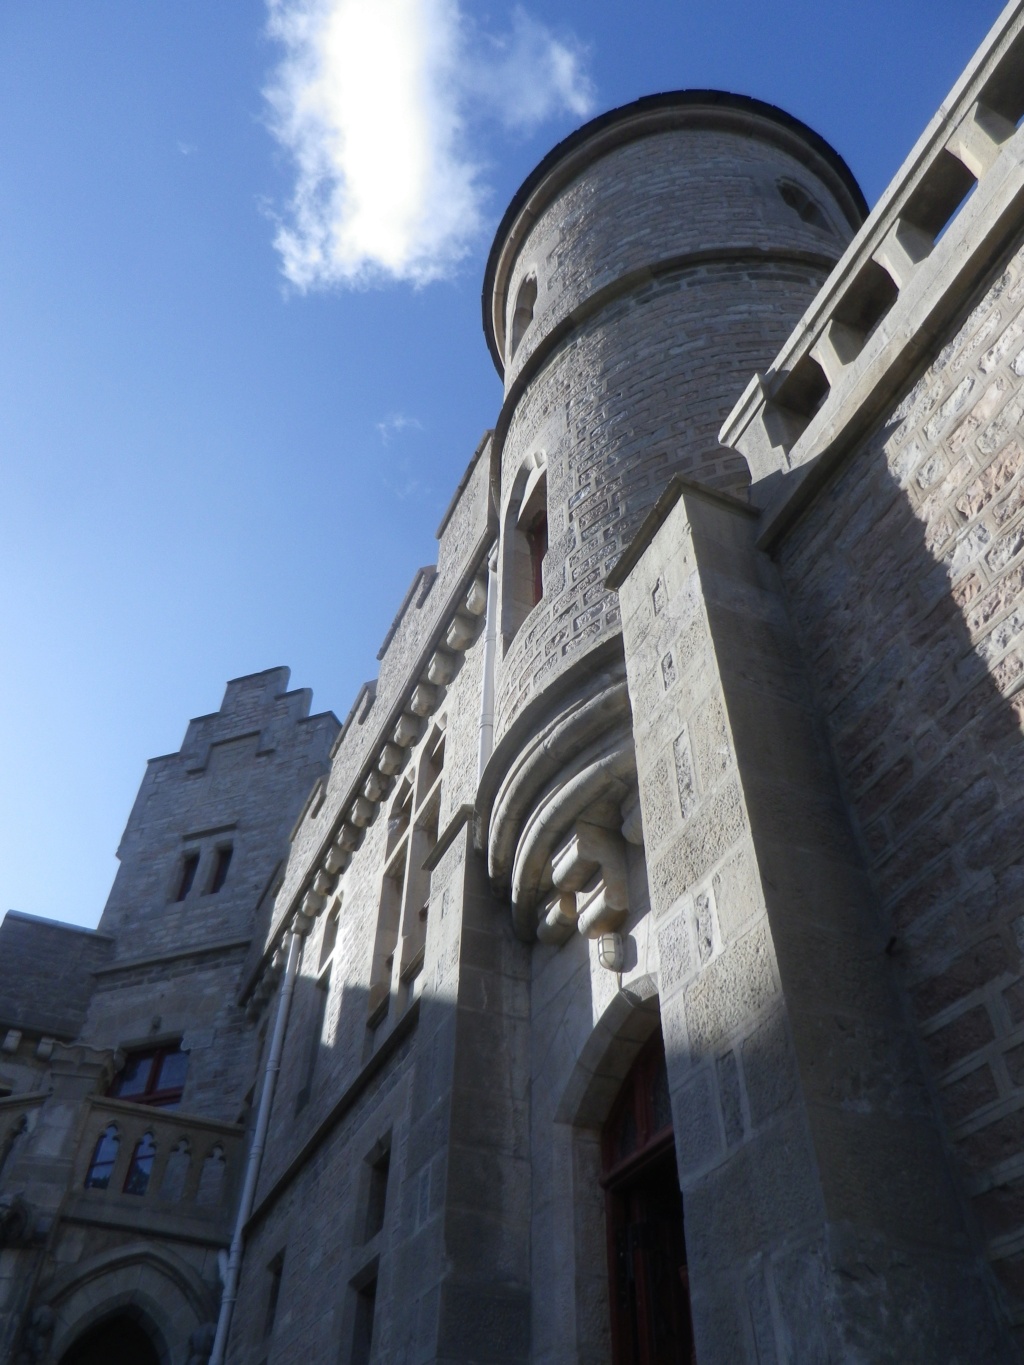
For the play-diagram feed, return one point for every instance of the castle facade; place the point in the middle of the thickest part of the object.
(635, 976)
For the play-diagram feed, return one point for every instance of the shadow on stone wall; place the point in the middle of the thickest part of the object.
(904, 579)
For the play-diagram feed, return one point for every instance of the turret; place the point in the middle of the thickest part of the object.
(650, 264)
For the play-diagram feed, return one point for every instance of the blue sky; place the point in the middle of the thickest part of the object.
(241, 364)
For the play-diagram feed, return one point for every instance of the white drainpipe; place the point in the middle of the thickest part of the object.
(259, 1142)
(490, 641)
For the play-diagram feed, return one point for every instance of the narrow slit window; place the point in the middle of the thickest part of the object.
(189, 868)
(524, 547)
(220, 869)
(522, 316)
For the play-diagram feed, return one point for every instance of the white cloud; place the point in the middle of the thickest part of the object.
(373, 100)
(394, 424)
(532, 75)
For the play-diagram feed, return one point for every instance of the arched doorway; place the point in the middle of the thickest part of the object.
(648, 1290)
(119, 1339)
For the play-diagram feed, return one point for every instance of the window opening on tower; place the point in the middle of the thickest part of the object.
(522, 315)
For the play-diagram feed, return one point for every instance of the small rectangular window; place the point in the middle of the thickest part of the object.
(220, 869)
(189, 868)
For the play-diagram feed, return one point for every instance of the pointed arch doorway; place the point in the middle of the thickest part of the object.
(119, 1339)
(649, 1285)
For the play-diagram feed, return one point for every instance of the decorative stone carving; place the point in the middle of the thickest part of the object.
(337, 859)
(391, 759)
(408, 730)
(461, 632)
(324, 883)
(424, 699)
(441, 668)
(476, 598)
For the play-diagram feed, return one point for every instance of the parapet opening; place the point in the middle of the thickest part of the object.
(803, 390)
(1004, 90)
(526, 301)
(796, 398)
(868, 299)
(940, 196)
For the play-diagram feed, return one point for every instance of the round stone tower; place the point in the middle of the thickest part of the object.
(648, 267)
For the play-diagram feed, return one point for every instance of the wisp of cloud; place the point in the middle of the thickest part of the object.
(372, 100)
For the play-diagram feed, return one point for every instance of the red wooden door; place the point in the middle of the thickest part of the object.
(650, 1302)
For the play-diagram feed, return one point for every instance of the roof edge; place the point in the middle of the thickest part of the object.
(646, 104)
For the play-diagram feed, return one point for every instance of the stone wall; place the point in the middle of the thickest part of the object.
(46, 974)
(906, 580)
(636, 395)
(805, 1139)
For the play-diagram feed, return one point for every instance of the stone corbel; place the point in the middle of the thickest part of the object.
(591, 894)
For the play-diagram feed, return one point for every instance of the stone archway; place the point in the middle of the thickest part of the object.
(152, 1287)
(625, 1027)
(120, 1338)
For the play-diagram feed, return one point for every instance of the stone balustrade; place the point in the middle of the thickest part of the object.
(152, 1165)
(932, 234)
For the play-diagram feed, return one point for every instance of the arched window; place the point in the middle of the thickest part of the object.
(101, 1167)
(524, 546)
(211, 1180)
(141, 1167)
(173, 1186)
(649, 1287)
(522, 314)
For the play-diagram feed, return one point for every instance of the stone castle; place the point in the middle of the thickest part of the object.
(636, 975)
